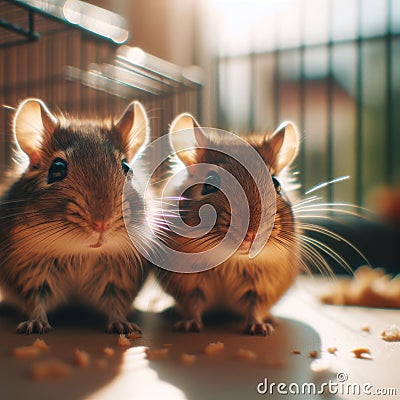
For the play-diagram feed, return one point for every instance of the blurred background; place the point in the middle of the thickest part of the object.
(331, 66)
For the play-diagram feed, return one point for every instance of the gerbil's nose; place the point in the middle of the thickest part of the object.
(101, 225)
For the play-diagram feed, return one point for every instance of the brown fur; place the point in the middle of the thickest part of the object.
(247, 286)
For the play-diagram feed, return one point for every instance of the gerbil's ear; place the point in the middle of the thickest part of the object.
(186, 137)
(133, 128)
(283, 146)
(32, 122)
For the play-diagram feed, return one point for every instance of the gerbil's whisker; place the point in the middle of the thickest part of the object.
(330, 207)
(327, 250)
(309, 253)
(177, 198)
(324, 184)
(333, 235)
(305, 201)
(171, 204)
(12, 201)
(7, 107)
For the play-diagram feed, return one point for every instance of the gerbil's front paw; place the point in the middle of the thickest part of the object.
(263, 329)
(188, 325)
(34, 326)
(123, 327)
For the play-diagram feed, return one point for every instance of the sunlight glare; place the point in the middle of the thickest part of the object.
(137, 380)
(98, 20)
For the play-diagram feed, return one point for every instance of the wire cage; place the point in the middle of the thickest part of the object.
(52, 53)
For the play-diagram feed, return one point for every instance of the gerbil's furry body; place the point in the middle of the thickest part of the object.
(62, 226)
(247, 286)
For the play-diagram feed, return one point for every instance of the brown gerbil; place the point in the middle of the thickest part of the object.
(248, 286)
(62, 228)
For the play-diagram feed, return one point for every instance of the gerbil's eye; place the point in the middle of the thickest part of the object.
(277, 185)
(212, 183)
(126, 167)
(58, 170)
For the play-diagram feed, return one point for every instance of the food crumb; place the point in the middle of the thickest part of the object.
(362, 352)
(108, 351)
(40, 344)
(391, 334)
(214, 348)
(246, 354)
(332, 350)
(370, 287)
(26, 352)
(366, 328)
(187, 358)
(156, 354)
(296, 351)
(313, 354)
(50, 369)
(81, 358)
(123, 341)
